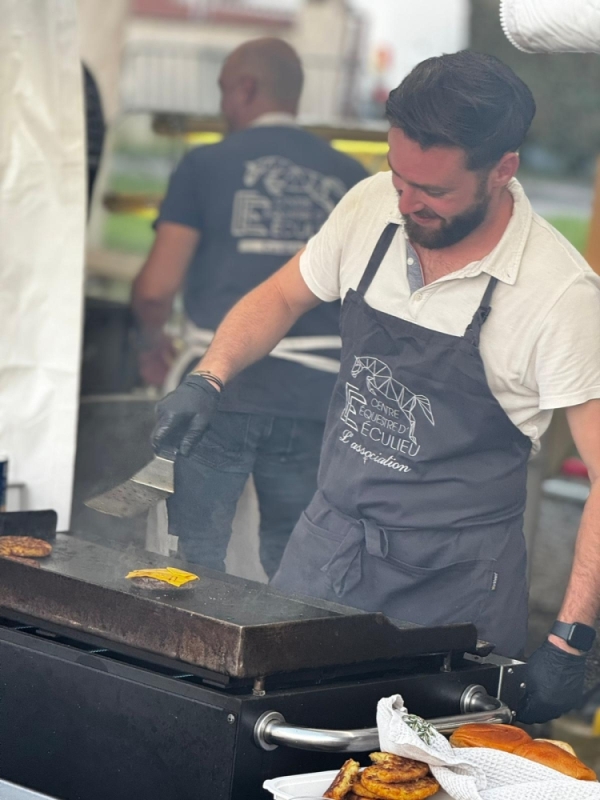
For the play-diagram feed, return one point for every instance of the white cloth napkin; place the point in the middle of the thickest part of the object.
(473, 773)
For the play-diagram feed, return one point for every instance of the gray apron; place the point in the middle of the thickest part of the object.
(419, 510)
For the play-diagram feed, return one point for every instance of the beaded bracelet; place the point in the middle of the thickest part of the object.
(209, 376)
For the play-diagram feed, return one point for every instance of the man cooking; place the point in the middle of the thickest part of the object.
(233, 214)
(466, 319)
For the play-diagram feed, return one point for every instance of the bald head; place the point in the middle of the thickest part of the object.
(261, 75)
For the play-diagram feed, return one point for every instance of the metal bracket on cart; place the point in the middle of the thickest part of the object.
(271, 729)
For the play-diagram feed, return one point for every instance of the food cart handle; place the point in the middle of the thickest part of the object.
(271, 729)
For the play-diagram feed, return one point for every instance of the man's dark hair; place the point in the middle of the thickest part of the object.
(467, 100)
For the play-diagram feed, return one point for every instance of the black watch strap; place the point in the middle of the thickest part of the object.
(575, 634)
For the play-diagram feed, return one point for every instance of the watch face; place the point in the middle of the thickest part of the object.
(581, 637)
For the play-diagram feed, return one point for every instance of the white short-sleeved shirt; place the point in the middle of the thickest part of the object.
(541, 343)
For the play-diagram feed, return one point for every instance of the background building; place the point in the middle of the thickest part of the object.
(174, 51)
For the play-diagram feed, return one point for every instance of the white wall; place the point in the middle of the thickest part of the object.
(320, 36)
(415, 30)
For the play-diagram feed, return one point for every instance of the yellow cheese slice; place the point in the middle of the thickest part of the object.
(170, 575)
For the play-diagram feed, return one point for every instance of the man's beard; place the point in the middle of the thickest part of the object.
(450, 231)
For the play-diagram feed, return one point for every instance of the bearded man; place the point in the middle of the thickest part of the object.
(466, 319)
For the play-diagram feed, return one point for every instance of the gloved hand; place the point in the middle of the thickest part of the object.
(554, 684)
(184, 415)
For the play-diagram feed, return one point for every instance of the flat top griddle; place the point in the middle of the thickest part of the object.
(216, 595)
(225, 624)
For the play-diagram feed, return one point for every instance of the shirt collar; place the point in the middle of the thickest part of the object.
(274, 118)
(504, 260)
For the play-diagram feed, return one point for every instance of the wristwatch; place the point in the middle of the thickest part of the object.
(575, 634)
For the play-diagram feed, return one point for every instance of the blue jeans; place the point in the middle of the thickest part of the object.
(283, 457)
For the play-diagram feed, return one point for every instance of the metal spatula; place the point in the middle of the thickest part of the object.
(141, 492)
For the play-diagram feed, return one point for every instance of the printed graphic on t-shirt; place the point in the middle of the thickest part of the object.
(382, 427)
(281, 206)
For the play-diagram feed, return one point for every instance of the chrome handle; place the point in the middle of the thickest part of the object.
(271, 729)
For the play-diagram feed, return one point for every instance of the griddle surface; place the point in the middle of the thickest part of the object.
(224, 624)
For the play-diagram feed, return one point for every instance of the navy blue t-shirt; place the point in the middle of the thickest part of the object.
(257, 197)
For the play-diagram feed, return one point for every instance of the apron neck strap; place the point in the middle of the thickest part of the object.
(377, 255)
(473, 332)
(489, 291)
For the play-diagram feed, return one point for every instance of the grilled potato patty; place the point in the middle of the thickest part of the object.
(24, 547)
(343, 781)
(361, 791)
(412, 790)
(405, 770)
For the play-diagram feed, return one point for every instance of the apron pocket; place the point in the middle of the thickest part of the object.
(307, 550)
(420, 582)
(333, 538)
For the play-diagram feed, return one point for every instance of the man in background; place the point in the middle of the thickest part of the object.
(235, 212)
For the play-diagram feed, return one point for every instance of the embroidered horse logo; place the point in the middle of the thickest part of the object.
(380, 381)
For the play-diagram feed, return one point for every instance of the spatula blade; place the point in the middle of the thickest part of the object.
(153, 483)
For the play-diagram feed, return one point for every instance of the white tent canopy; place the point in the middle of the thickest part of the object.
(42, 222)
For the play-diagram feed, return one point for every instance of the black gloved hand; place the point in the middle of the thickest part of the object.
(554, 684)
(184, 415)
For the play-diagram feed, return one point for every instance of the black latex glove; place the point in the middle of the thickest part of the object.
(183, 415)
(554, 684)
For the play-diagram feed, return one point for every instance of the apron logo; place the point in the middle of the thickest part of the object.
(380, 382)
(350, 410)
(386, 417)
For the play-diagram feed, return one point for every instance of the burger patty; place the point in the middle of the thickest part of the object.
(155, 585)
